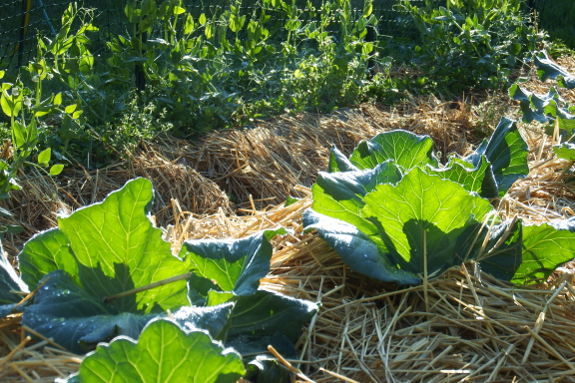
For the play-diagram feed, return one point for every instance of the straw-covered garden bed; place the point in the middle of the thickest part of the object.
(462, 325)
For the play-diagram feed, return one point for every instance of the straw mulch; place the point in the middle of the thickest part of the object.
(462, 325)
(267, 161)
(234, 170)
(177, 188)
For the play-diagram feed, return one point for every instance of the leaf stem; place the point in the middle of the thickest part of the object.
(30, 295)
(425, 270)
(150, 286)
(294, 370)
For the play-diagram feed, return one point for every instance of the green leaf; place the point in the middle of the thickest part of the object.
(234, 265)
(565, 121)
(395, 228)
(545, 247)
(338, 162)
(116, 249)
(543, 108)
(147, 23)
(219, 297)
(189, 24)
(40, 111)
(4, 212)
(479, 179)
(507, 152)
(424, 214)
(524, 97)
(199, 289)
(78, 322)
(164, 353)
(262, 315)
(44, 253)
(7, 104)
(405, 148)
(75, 319)
(357, 249)
(357, 183)
(340, 195)
(70, 108)
(291, 200)
(264, 369)
(58, 99)
(31, 134)
(565, 150)
(56, 169)
(14, 229)
(10, 103)
(44, 157)
(115, 241)
(502, 261)
(18, 135)
(214, 319)
(179, 10)
(549, 69)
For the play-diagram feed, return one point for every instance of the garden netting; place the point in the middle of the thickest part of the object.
(22, 21)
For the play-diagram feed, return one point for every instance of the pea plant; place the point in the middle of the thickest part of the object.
(474, 44)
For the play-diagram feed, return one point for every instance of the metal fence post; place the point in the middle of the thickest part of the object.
(26, 5)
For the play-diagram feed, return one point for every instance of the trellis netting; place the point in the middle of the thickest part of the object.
(22, 21)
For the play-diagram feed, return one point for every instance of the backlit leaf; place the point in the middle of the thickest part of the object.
(405, 148)
(545, 247)
(234, 265)
(164, 353)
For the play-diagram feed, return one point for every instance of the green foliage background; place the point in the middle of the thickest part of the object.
(558, 18)
(104, 82)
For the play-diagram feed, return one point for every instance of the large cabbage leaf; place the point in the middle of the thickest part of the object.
(507, 153)
(423, 214)
(476, 178)
(490, 170)
(163, 353)
(405, 148)
(341, 194)
(45, 252)
(545, 247)
(400, 229)
(99, 251)
(231, 265)
(268, 318)
(229, 271)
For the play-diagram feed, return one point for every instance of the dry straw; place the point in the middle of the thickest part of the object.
(460, 326)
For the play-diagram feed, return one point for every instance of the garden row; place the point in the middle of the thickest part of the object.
(391, 210)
